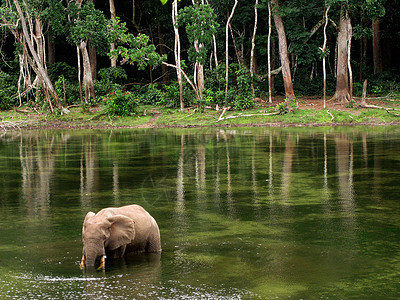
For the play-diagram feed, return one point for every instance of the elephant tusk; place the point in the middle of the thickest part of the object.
(102, 263)
(83, 263)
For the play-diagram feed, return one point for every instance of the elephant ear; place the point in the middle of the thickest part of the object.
(122, 231)
(88, 216)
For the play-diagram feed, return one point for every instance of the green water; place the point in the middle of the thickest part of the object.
(243, 213)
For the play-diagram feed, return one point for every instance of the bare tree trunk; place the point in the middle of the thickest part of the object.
(269, 53)
(39, 41)
(87, 72)
(253, 45)
(284, 55)
(364, 94)
(323, 49)
(215, 52)
(199, 72)
(112, 45)
(78, 53)
(227, 46)
(349, 37)
(342, 93)
(177, 52)
(87, 68)
(200, 80)
(376, 46)
(93, 61)
(199, 68)
(21, 73)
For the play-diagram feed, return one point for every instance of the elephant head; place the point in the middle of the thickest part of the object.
(100, 233)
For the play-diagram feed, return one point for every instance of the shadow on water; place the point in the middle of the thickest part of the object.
(243, 213)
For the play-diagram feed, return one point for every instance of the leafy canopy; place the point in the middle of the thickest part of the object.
(200, 23)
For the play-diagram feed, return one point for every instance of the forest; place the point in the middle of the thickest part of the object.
(225, 54)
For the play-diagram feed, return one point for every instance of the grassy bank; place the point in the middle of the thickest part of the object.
(151, 116)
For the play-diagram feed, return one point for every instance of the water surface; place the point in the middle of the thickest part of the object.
(243, 213)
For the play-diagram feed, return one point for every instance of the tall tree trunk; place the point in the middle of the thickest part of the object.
(349, 37)
(87, 67)
(269, 53)
(39, 40)
(323, 49)
(92, 56)
(227, 46)
(284, 55)
(93, 61)
(215, 52)
(342, 93)
(253, 46)
(87, 72)
(376, 46)
(164, 68)
(177, 52)
(199, 71)
(112, 45)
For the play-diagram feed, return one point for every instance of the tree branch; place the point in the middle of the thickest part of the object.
(184, 74)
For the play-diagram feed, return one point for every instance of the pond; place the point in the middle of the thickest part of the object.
(243, 213)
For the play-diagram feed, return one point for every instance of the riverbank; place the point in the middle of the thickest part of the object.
(310, 113)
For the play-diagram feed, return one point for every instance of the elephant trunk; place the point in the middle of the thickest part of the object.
(90, 257)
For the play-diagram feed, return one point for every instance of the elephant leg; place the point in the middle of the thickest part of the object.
(117, 253)
(153, 245)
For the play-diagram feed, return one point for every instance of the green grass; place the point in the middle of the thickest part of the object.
(147, 116)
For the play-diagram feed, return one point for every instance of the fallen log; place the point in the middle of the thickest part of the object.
(247, 115)
(364, 104)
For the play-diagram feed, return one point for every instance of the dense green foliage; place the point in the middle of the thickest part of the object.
(143, 43)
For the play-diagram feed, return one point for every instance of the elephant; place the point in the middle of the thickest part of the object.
(116, 231)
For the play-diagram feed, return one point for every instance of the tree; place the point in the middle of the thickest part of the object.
(132, 49)
(227, 46)
(112, 45)
(284, 55)
(31, 41)
(253, 44)
(177, 50)
(87, 25)
(342, 94)
(200, 24)
(375, 10)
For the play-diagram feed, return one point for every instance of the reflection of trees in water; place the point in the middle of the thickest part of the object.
(287, 167)
(89, 166)
(213, 180)
(344, 162)
(37, 156)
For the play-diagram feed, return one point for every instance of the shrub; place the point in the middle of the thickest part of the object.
(120, 104)
(110, 80)
(151, 95)
(243, 101)
(67, 90)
